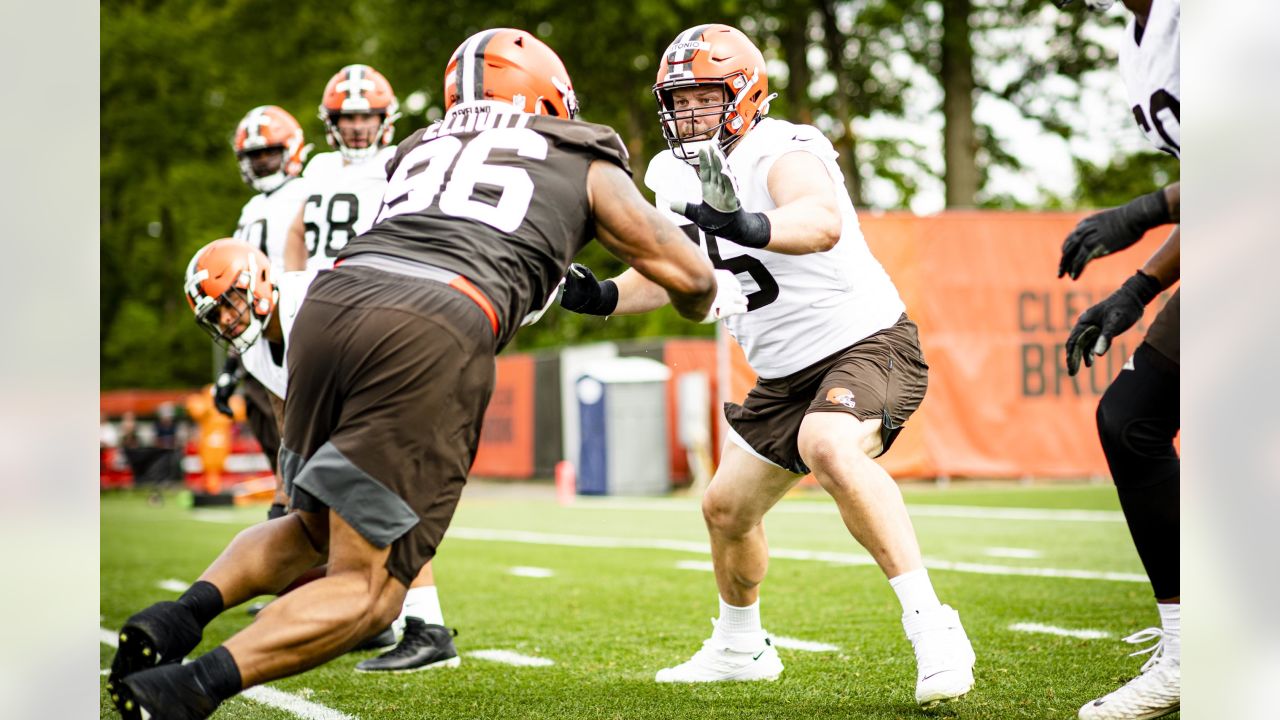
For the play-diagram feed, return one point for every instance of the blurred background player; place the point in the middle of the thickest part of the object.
(270, 150)
(393, 364)
(359, 110)
(1138, 416)
(221, 311)
(839, 362)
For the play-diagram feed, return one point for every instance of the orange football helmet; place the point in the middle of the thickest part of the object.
(264, 128)
(716, 55)
(230, 289)
(359, 90)
(511, 66)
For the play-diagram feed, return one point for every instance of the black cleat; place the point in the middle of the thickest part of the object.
(168, 692)
(423, 646)
(384, 639)
(159, 635)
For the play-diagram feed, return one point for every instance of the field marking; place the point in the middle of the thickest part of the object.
(173, 585)
(805, 645)
(531, 572)
(511, 657)
(815, 508)
(293, 704)
(264, 694)
(702, 548)
(704, 565)
(1063, 632)
(1014, 553)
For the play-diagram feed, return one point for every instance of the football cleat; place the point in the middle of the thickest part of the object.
(159, 635)
(423, 646)
(168, 692)
(1156, 692)
(944, 657)
(720, 661)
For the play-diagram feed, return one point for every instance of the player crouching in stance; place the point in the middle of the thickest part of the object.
(839, 361)
(391, 366)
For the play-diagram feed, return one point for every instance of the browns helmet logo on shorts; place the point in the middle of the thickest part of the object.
(840, 396)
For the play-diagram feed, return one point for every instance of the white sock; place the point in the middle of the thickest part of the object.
(738, 621)
(423, 603)
(1171, 622)
(915, 592)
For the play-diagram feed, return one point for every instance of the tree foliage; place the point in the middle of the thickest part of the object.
(177, 76)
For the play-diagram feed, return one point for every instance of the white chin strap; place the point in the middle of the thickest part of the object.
(246, 339)
(1100, 5)
(269, 183)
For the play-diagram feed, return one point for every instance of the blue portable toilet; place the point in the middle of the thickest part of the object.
(622, 406)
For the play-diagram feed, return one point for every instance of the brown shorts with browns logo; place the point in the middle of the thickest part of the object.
(389, 377)
(882, 376)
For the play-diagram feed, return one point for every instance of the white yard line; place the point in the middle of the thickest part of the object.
(805, 645)
(1063, 632)
(702, 548)
(531, 572)
(1013, 553)
(173, 585)
(510, 657)
(817, 508)
(264, 694)
(704, 565)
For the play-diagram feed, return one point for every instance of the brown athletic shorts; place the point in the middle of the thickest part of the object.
(389, 377)
(882, 376)
(1163, 334)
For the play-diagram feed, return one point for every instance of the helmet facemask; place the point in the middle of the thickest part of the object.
(209, 316)
(265, 182)
(380, 138)
(1098, 5)
(729, 126)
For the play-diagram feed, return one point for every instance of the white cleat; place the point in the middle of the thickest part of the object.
(1156, 692)
(718, 662)
(944, 657)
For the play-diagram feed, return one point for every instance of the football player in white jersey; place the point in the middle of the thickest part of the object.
(839, 362)
(270, 149)
(240, 300)
(1138, 416)
(359, 110)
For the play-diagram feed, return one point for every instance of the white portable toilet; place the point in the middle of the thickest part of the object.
(622, 406)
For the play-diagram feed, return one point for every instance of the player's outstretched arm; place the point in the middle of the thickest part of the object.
(1114, 230)
(653, 246)
(295, 245)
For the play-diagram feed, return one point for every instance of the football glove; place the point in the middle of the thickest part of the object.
(729, 297)
(1099, 324)
(585, 295)
(1111, 231)
(720, 213)
(225, 386)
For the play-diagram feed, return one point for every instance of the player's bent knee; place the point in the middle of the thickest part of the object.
(724, 516)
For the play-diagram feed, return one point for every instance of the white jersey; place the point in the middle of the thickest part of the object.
(1149, 64)
(265, 220)
(802, 308)
(258, 360)
(342, 203)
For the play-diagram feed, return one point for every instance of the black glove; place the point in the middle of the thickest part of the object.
(1111, 231)
(585, 295)
(225, 386)
(720, 213)
(1099, 324)
(277, 511)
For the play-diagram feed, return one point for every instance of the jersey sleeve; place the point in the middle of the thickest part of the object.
(598, 141)
(795, 138)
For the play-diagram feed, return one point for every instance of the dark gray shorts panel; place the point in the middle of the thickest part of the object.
(378, 514)
(883, 376)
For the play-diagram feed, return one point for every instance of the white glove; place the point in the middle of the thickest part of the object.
(729, 298)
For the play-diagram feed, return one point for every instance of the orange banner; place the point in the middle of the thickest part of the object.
(506, 440)
(993, 318)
